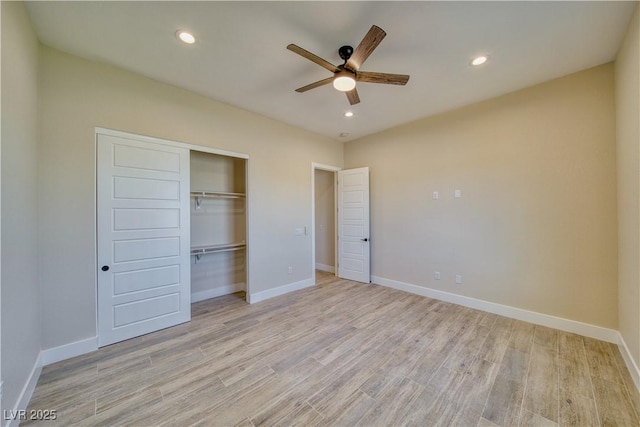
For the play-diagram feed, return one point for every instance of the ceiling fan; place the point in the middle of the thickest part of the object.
(346, 75)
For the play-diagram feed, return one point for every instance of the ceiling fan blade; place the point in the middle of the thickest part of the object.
(313, 58)
(353, 97)
(366, 46)
(386, 78)
(315, 84)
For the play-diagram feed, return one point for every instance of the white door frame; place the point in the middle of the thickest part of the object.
(191, 147)
(334, 169)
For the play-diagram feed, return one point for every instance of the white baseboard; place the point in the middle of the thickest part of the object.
(25, 395)
(67, 351)
(628, 360)
(280, 290)
(584, 329)
(324, 267)
(217, 292)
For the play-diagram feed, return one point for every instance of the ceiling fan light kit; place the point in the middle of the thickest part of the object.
(344, 83)
(346, 75)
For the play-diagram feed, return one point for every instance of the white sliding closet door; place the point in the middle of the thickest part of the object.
(143, 237)
(353, 225)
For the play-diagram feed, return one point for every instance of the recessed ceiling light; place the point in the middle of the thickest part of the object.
(479, 60)
(185, 36)
(348, 114)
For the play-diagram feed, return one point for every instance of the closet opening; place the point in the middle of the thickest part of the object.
(171, 229)
(218, 225)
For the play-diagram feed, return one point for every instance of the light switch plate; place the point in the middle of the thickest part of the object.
(435, 195)
(457, 194)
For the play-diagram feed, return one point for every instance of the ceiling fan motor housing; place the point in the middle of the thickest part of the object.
(345, 53)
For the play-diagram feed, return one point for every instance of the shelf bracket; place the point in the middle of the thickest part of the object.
(198, 202)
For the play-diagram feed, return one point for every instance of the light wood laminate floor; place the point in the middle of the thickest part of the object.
(344, 354)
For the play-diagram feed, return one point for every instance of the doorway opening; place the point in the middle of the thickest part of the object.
(323, 219)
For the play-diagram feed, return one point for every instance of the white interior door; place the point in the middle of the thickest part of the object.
(353, 225)
(144, 276)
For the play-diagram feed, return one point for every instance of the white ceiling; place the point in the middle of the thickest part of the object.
(240, 56)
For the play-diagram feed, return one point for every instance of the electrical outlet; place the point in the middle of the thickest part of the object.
(458, 279)
(290, 270)
(436, 275)
(435, 195)
(457, 194)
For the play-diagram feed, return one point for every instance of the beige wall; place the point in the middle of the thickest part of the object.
(627, 93)
(76, 96)
(325, 217)
(535, 227)
(21, 320)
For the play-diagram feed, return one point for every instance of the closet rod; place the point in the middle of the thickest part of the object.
(198, 251)
(219, 194)
(203, 250)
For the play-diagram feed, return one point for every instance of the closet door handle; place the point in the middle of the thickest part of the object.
(105, 268)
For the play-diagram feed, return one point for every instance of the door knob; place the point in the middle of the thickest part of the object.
(365, 239)
(105, 268)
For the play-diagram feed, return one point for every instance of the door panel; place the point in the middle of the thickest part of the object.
(353, 265)
(136, 219)
(142, 188)
(354, 214)
(353, 248)
(132, 281)
(353, 225)
(136, 250)
(136, 157)
(129, 312)
(144, 276)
